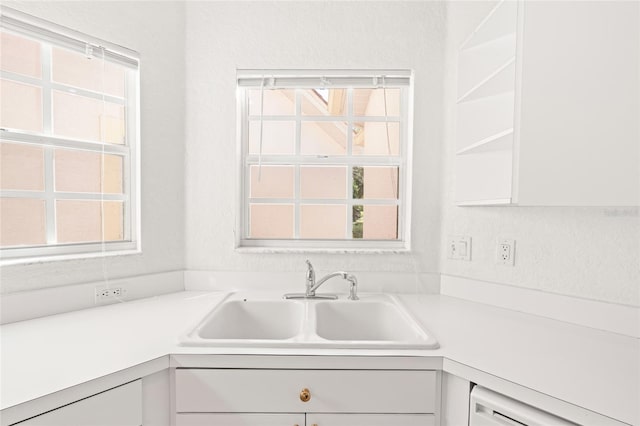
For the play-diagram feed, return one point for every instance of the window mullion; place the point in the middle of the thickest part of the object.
(47, 102)
(48, 151)
(350, 141)
(298, 149)
(50, 202)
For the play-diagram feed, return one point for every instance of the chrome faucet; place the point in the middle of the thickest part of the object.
(311, 285)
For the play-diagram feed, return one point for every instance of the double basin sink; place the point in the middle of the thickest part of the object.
(376, 321)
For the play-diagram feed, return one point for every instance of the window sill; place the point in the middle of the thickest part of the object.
(65, 257)
(300, 250)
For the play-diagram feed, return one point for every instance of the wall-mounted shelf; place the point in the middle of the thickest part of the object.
(499, 81)
(498, 142)
(483, 119)
(541, 121)
(498, 23)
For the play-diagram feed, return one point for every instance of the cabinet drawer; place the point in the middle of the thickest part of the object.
(255, 419)
(371, 420)
(355, 391)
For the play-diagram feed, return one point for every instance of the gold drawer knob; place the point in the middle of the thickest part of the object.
(305, 395)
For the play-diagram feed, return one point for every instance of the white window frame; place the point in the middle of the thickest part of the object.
(298, 79)
(50, 34)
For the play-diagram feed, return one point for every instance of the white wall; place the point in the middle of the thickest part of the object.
(586, 252)
(224, 36)
(156, 31)
(592, 253)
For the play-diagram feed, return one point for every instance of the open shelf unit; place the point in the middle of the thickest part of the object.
(547, 106)
(486, 108)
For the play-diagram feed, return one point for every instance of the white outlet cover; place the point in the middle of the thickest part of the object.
(505, 252)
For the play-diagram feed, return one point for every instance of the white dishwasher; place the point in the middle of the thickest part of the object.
(489, 408)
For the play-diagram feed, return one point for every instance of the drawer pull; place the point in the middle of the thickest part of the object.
(305, 395)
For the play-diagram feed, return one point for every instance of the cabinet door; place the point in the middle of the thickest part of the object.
(253, 419)
(330, 391)
(121, 406)
(371, 420)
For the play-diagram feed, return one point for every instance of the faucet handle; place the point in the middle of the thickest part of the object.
(310, 271)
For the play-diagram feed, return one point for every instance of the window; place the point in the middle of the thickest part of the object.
(68, 143)
(324, 159)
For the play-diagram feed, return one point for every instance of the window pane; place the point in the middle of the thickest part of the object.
(323, 138)
(371, 138)
(278, 137)
(23, 222)
(323, 221)
(271, 221)
(113, 221)
(20, 55)
(375, 182)
(21, 167)
(93, 73)
(324, 102)
(323, 182)
(371, 102)
(375, 222)
(272, 182)
(20, 106)
(80, 171)
(276, 102)
(80, 221)
(89, 119)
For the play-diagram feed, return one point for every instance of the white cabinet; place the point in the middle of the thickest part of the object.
(245, 419)
(370, 420)
(261, 419)
(121, 406)
(548, 106)
(327, 397)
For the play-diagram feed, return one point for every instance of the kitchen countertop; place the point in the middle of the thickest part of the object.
(590, 368)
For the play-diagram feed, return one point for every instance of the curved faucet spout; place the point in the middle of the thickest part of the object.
(328, 277)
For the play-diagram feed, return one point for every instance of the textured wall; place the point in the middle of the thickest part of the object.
(156, 31)
(592, 253)
(586, 252)
(223, 36)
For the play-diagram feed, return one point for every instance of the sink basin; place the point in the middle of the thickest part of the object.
(365, 321)
(376, 321)
(256, 319)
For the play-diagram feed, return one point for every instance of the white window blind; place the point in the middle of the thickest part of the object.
(324, 159)
(69, 148)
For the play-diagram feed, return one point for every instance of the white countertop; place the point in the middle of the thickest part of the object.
(583, 366)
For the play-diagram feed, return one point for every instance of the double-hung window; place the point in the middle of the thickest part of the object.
(69, 138)
(324, 159)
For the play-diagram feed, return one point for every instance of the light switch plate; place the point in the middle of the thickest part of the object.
(459, 248)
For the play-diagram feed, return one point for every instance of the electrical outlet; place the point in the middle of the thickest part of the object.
(459, 248)
(506, 252)
(109, 294)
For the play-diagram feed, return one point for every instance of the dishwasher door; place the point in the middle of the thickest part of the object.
(489, 408)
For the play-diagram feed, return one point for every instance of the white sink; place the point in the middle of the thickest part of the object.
(365, 321)
(376, 321)
(262, 319)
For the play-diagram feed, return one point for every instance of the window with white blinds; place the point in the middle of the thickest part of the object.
(325, 159)
(69, 137)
